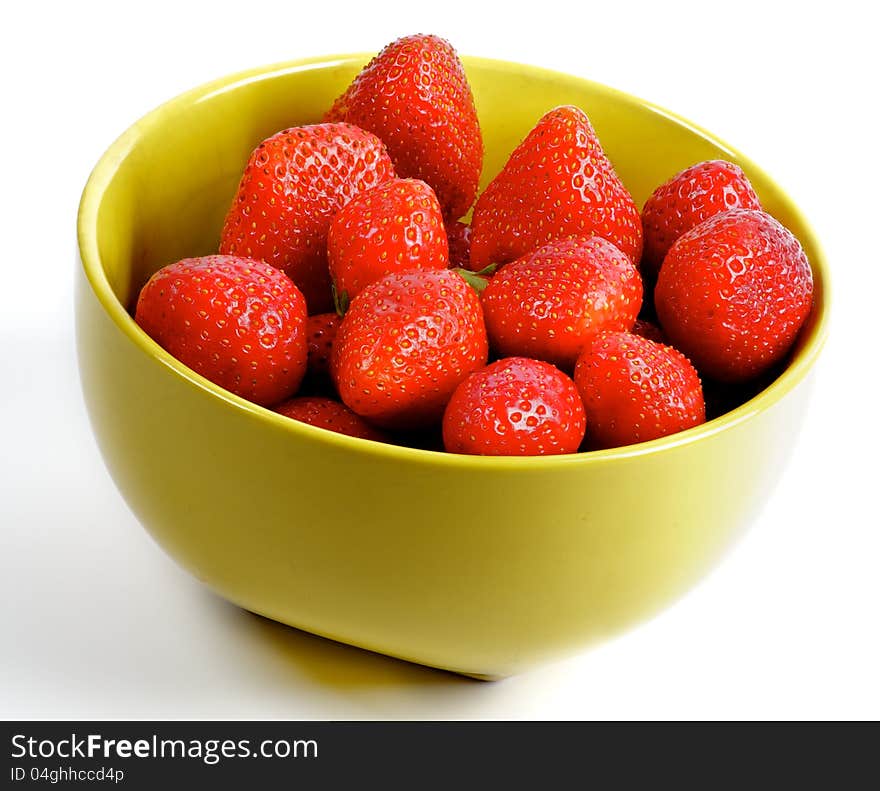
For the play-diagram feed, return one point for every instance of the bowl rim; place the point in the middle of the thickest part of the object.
(808, 348)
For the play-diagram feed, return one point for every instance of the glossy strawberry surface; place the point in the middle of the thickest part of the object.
(688, 198)
(405, 344)
(546, 304)
(415, 96)
(238, 322)
(733, 293)
(331, 415)
(557, 182)
(321, 332)
(635, 390)
(459, 236)
(390, 228)
(293, 184)
(514, 407)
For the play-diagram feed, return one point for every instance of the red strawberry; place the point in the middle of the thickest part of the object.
(393, 227)
(733, 293)
(331, 415)
(514, 407)
(547, 303)
(459, 236)
(635, 390)
(238, 322)
(557, 182)
(414, 95)
(293, 184)
(688, 198)
(321, 332)
(405, 344)
(646, 329)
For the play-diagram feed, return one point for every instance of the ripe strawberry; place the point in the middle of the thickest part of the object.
(647, 329)
(733, 293)
(514, 407)
(635, 390)
(390, 228)
(546, 304)
(320, 333)
(331, 415)
(405, 344)
(293, 184)
(557, 182)
(688, 198)
(459, 236)
(238, 322)
(415, 96)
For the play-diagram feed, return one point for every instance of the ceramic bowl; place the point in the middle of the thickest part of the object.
(483, 566)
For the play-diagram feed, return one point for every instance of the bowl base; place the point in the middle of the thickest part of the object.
(368, 650)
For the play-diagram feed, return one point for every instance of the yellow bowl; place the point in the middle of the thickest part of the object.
(483, 566)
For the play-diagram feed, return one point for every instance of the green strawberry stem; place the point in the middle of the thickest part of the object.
(477, 280)
(340, 301)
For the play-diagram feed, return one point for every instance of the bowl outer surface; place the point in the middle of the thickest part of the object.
(483, 566)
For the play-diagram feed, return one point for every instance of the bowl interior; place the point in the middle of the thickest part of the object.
(162, 190)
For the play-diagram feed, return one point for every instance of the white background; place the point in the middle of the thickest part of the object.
(97, 622)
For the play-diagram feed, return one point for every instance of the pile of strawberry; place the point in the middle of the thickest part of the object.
(552, 279)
